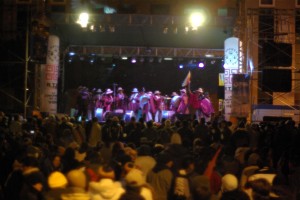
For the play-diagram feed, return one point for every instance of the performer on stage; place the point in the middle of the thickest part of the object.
(183, 107)
(175, 100)
(107, 101)
(159, 105)
(121, 100)
(134, 101)
(83, 101)
(207, 109)
(145, 105)
(98, 99)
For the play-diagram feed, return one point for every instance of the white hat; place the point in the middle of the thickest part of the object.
(57, 179)
(229, 183)
(108, 91)
(157, 92)
(120, 88)
(183, 90)
(135, 90)
(99, 91)
(135, 178)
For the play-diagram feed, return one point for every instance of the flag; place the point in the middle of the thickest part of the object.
(187, 79)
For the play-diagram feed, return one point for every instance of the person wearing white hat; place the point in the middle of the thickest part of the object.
(158, 104)
(134, 101)
(183, 107)
(107, 101)
(120, 100)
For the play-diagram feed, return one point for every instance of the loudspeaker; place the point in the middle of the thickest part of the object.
(276, 54)
(277, 80)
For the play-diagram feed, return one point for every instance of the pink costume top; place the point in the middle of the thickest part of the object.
(120, 101)
(183, 107)
(158, 102)
(107, 102)
(134, 102)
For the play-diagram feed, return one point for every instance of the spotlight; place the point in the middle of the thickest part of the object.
(201, 64)
(133, 60)
(71, 53)
(180, 66)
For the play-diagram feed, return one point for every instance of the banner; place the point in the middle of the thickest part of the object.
(240, 95)
(231, 66)
(49, 77)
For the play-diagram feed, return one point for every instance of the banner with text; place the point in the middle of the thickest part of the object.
(231, 65)
(49, 77)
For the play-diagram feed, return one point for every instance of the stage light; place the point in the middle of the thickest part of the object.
(71, 53)
(197, 19)
(180, 66)
(201, 64)
(133, 60)
(168, 58)
(83, 19)
(124, 58)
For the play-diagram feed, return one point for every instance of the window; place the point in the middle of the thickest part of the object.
(267, 3)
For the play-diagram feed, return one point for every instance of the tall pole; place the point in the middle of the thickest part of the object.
(26, 70)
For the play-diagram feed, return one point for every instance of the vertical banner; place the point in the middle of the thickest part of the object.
(49, 77)
(231, 66)
(240, 95)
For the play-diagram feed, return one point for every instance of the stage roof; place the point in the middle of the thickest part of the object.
(145, 31)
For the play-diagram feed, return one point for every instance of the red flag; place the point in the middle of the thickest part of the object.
(187, 79)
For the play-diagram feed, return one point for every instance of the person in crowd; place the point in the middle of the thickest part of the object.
(150, 133)
(57, 184)
(230, 190)
(136, 187)
(144, 161)
(51, 163)
(161, 176)
(106, 188)
(34, 181)
(95, 135)
(77, 186)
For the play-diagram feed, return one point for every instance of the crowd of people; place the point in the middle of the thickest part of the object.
(147, 104)
(56, 158)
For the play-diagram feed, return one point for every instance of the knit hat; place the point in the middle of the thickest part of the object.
(57, 179)
(229, 183)
(135, 178)
(76, 178)
(106, 172)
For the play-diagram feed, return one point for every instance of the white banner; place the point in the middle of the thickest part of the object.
(49, 77)
(231, 66)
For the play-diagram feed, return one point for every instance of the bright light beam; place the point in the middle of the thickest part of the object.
(196, 20)
(83, 19)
